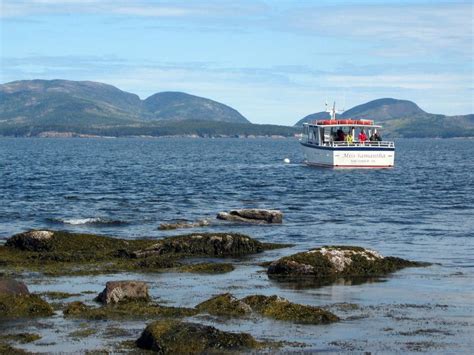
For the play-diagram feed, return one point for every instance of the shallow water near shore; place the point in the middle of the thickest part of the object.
(420, 210)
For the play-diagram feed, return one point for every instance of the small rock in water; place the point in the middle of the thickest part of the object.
(184, 224)
(252, 216)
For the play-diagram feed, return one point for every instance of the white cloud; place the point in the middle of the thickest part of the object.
(406, 29)
(431, 81)
(139, 8)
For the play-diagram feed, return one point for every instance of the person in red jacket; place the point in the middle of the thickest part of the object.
(362, 136)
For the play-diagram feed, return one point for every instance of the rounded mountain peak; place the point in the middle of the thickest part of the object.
(175, 105)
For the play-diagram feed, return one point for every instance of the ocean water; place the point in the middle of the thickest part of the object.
(422, 209)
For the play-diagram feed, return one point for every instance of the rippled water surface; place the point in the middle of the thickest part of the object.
(422, 209)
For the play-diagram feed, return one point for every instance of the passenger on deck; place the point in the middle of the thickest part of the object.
(349, 138)
(362, 136)
(375, 137)
(340, 135)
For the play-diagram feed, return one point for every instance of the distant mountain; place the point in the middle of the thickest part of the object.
(78, 103)
(64, 102)
(402, 118)
(384, 109)
(182, 106)
(62, 108)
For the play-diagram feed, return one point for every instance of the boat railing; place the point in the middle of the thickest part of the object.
(382, 144)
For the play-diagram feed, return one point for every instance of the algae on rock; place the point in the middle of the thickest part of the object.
(268, 306)
(206, 244)
(281, 309)
(17, 306)
(123, 310)
(332, 262)
(207, 268)
(224, 305)
(64, 253)
(174, 337)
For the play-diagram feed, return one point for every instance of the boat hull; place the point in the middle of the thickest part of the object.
(349, 157)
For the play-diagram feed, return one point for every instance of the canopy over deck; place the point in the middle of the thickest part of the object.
(343, 123)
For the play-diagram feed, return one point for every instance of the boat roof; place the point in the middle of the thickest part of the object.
(343, 123)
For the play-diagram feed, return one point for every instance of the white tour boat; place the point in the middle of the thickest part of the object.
(346, 143)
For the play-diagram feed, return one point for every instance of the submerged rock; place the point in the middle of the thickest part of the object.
(173, 337)
(252, 216)
(184, 224)
(218, 244)
(268, 306)
(12, 287)
(117, 291)
(338, 261)
(208, 268)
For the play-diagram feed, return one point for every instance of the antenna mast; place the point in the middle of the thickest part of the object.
(333, 111)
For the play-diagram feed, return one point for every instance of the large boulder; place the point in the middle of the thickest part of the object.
(338, 261)
(117, 291)
(252, 216)
(12, 287)
(35, 240)
(215, 244)
(174, 337)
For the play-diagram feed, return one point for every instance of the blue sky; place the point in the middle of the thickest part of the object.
(274, 61)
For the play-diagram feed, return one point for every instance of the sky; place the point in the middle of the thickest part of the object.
(274, 61)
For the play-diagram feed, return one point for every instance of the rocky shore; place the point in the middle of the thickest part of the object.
(58, 253)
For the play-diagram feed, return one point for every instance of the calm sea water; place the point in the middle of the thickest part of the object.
(422, 209)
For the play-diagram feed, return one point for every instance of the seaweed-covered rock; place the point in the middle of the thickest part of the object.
(224, 305)
(18, 306)
(338, 261)
(268, 306)
(60, 246)
(279, 308)
(12, 287)
(64, 253)
(126, 310)
(173, 337)
(116, 291)
(252, 216)
(218, 244)
(183, 224)
(75, 308)
(34, 240)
